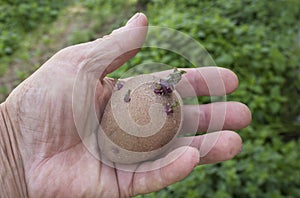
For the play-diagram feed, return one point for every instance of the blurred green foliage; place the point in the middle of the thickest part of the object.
(256, 39)
(18, 18)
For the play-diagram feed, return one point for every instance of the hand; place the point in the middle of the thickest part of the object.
(52, 159)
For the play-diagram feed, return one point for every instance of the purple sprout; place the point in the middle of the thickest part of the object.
(167, 85)
(169, 109)
(127, 97)
(118, 84)
(163, 87)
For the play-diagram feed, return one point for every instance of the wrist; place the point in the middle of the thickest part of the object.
(12, 183)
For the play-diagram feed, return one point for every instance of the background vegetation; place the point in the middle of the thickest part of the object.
(258, 40)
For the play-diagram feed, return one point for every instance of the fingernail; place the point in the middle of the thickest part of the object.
(133, 18)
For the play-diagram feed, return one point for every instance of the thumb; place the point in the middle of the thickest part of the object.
(92, 61)
(128, 40)
(106, 54)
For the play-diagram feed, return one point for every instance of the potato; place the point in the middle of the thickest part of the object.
(140, 123)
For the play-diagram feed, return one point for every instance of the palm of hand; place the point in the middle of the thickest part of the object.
(55, 159)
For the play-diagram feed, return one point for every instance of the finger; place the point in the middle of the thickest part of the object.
(130, 39)
(181, 167)
(215, 116)
(214, 147)
(214, 81)
(104, 55)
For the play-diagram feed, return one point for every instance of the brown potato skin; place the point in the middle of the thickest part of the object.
(145, 130)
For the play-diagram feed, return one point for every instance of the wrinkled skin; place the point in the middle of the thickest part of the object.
(42, 154)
